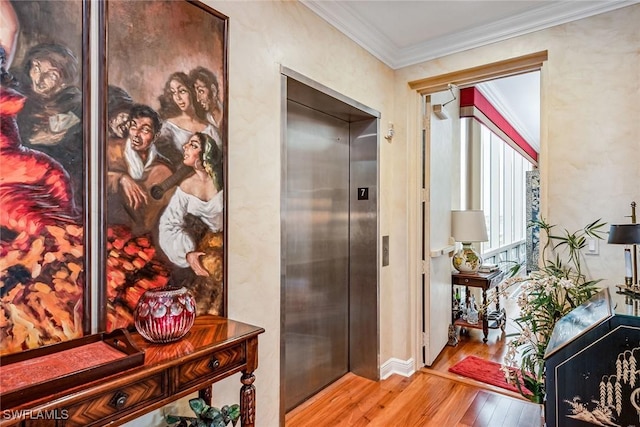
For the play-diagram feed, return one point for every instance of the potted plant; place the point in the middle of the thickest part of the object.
(206, 416)
(546, 295)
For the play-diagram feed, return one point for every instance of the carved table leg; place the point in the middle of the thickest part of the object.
(485, 320)
(206, 394)
(247, 400)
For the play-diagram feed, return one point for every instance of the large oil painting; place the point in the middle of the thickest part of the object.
(43, 172)
(164, 131)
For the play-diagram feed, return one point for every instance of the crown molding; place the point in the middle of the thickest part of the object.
(345, 19)
(348, 22)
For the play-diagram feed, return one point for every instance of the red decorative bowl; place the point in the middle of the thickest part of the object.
(165, 315)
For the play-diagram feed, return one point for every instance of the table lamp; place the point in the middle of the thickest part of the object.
(467, 227)
(627, 234)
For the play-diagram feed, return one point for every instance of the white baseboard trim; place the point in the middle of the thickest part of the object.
(406, 368)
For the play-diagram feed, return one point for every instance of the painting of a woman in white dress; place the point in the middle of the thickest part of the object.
(192, 223)
(185, 246)
(182, 116)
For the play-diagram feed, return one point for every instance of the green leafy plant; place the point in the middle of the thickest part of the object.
(206, 416)
(546, 295)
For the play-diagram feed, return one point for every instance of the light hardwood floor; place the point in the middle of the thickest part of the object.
(431, 397)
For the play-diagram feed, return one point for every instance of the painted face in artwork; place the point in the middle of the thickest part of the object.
(192, 149)
(119, 124)
(46, 79)
(203, 92)
(141, 133)
(181, 95)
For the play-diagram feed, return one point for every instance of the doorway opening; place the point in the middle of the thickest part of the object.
(329, 244)
(434, 283)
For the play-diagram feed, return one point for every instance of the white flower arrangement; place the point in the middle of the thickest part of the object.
(545, 296)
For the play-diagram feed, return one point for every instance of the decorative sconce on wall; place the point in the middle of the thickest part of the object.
(390, 132)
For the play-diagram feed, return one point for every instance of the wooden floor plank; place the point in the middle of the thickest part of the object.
(431, 397)
(333, 394)
(452, 410)
(387, 399)
(484, 415)
(474, 409)
(512, 417)
(531, 416)
(424, 399)
(499, 415)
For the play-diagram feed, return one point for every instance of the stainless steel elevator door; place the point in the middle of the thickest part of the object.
(316, 284)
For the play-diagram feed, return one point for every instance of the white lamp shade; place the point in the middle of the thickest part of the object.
(469, 226)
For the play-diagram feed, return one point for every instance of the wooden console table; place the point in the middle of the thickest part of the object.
(491, 319)
(214, 348)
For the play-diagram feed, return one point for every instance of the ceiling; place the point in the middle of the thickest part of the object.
(517, 98)
(402, 33)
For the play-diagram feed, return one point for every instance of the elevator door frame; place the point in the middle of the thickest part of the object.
(364, 353)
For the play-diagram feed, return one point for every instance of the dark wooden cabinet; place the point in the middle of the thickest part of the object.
(214, 348)
(486, 281)
(591, 374)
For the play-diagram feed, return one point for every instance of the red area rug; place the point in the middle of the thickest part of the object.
(482, 370)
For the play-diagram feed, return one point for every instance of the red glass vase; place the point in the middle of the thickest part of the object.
(165, 315)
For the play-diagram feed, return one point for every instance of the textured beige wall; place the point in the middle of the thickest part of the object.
(263, 37)
(590, 161)
(590, 118)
